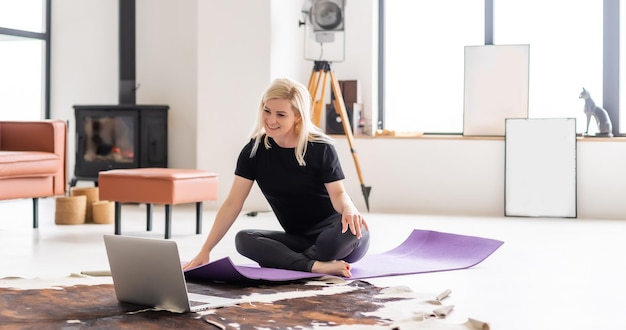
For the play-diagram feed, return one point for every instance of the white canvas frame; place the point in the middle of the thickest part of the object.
(540, 167)
(495, 87)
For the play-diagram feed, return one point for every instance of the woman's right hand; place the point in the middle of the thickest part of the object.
(201, 259)
(226, 215)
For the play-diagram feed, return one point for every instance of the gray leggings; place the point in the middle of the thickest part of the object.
(277, 249)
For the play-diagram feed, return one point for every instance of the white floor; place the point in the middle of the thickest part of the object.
(549, 274)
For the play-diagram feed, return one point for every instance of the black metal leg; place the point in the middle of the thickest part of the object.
(168, 221)
(118, 218)
(198, 217)
(149, 217)
(35, 212)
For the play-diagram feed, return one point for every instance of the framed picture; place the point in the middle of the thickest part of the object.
(540, 167)
(495, 87)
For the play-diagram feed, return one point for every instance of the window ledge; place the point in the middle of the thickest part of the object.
(462, 137)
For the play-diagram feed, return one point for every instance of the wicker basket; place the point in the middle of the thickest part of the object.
(92, 196)
(103, 212)
(70, 210)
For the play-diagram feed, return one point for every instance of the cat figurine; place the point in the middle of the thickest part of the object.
(600, 115)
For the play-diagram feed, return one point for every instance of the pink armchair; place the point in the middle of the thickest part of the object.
(33, 160)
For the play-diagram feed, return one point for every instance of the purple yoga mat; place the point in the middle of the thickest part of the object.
(422, 252)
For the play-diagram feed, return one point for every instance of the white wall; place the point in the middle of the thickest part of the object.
(84, 56)
(167, 57)
(211, 61)
(85, 65)
(234, 57)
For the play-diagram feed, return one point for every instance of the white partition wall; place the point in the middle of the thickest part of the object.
(540, 167)
(495, 87)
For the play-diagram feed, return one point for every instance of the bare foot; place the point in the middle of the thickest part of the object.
(335, 267)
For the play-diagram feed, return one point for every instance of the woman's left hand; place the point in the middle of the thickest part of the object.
(353, 220)
(350, 216)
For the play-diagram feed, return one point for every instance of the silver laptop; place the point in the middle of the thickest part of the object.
(148, 272)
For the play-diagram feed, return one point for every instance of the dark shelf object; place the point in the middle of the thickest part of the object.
(119, 136)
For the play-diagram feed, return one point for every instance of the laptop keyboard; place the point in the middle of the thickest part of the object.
(194, 303)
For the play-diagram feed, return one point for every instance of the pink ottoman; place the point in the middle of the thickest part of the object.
(168, 186)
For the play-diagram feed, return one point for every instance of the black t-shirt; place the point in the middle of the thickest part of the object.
(296, 193)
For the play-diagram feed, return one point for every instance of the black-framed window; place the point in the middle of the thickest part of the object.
(421, 56)
(25, 59)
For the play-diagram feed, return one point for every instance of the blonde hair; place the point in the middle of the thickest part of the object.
(300, 100)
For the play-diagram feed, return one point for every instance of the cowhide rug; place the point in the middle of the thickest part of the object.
(293, 305)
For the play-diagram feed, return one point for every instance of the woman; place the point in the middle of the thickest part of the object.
(296, 167)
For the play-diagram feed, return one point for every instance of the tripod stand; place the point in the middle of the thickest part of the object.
(321, 71)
